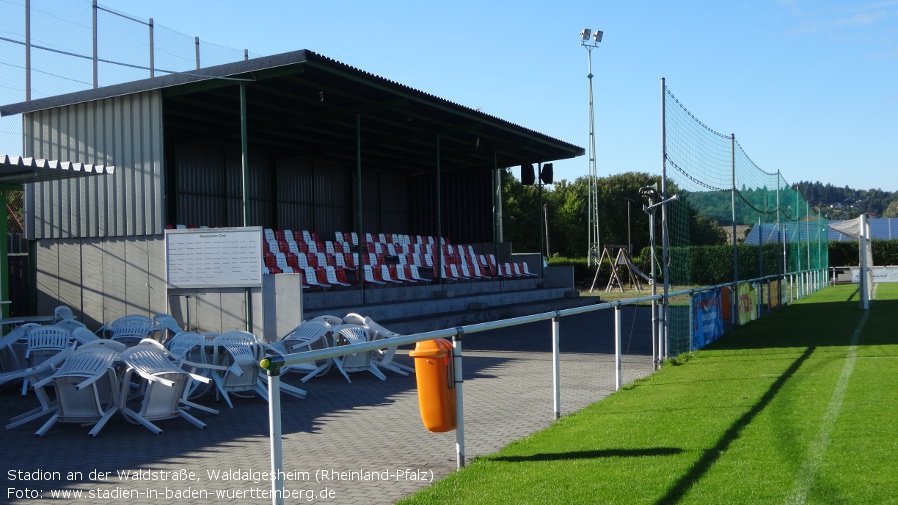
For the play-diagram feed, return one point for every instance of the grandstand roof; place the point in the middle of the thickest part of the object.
(306, 104)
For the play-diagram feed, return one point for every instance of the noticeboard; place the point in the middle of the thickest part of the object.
(213, 257)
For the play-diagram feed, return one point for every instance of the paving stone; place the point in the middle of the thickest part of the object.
(365, 438)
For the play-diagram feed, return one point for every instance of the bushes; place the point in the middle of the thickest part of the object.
(711, 265)
(846, 254)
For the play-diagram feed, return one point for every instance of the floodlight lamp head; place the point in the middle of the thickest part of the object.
(649, 190)
(597, 36)
(584, 35)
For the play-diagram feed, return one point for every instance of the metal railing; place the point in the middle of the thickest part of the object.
(800, 282)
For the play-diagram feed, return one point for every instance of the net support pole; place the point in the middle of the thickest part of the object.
(656, 334)
(733, 299)
(556, 366)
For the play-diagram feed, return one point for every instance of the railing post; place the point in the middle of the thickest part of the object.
(459, 402)
(556, 366)
(617, 341)
(273, 369)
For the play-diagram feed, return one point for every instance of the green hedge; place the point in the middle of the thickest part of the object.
(710, 265)
(845, 254)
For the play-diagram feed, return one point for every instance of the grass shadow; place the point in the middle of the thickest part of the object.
(599, 453)
(701, 467)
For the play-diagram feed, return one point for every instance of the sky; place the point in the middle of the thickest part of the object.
(808, 87)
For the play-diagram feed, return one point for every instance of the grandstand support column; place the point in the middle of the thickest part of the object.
(244, 169)
(439, 210)
(497, 200)
(358, 204)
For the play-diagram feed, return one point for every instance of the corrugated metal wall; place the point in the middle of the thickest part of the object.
(102, 278)
(99, 246)
(209, 187)
(125, 132)
(466, 201)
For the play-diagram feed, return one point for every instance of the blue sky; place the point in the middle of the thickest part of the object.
(809, 88)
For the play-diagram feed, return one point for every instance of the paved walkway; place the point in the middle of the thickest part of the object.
(358, 443)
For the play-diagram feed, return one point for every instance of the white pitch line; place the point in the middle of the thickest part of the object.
(808, 470)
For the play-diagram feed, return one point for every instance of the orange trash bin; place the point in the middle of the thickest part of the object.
(435, 373)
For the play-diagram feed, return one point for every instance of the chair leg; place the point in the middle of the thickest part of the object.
(339, 363)
(130, 414)
(377, 373)
(102, 422)
(199, 407)
(43, 429)
(29, 416)
(194, 421)
(392, 367)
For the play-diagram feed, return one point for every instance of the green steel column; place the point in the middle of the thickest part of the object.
(244, 150)
(4, 255)
(359, 268)
(439, 215)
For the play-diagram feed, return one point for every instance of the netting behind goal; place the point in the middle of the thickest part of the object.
(733, 221)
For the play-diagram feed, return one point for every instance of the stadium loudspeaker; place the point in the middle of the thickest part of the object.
(527, 175)
(546, 174)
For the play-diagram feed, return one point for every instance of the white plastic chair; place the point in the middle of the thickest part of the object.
(87, 389)
(165, 389)
(37, 374)
(413, 271)
(44, 342)
(165, 327)
(332, 277)
(385, 275)
(240, 353)
(308, 336)
(191, 349)
(69, 324)
(130, 329)
(383, 358)
(13, 346)
(349, 334)
(62, 312)
(369, 275)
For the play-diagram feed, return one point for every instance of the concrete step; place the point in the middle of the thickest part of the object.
(412, 309)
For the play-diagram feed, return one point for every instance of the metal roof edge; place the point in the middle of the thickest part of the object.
(224, 71)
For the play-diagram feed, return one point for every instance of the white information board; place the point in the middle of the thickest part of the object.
(213, 257)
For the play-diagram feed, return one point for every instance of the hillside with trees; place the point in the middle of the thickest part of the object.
(848, 203)
(622, 220)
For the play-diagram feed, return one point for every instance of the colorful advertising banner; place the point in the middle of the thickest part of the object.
(747, 303)
(707, 318)
(774, 300)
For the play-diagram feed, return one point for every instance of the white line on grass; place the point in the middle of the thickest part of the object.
(818, 448)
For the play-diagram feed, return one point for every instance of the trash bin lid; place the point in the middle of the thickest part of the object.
(436, 348)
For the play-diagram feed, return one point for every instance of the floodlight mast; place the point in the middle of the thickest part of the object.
(590, 40)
